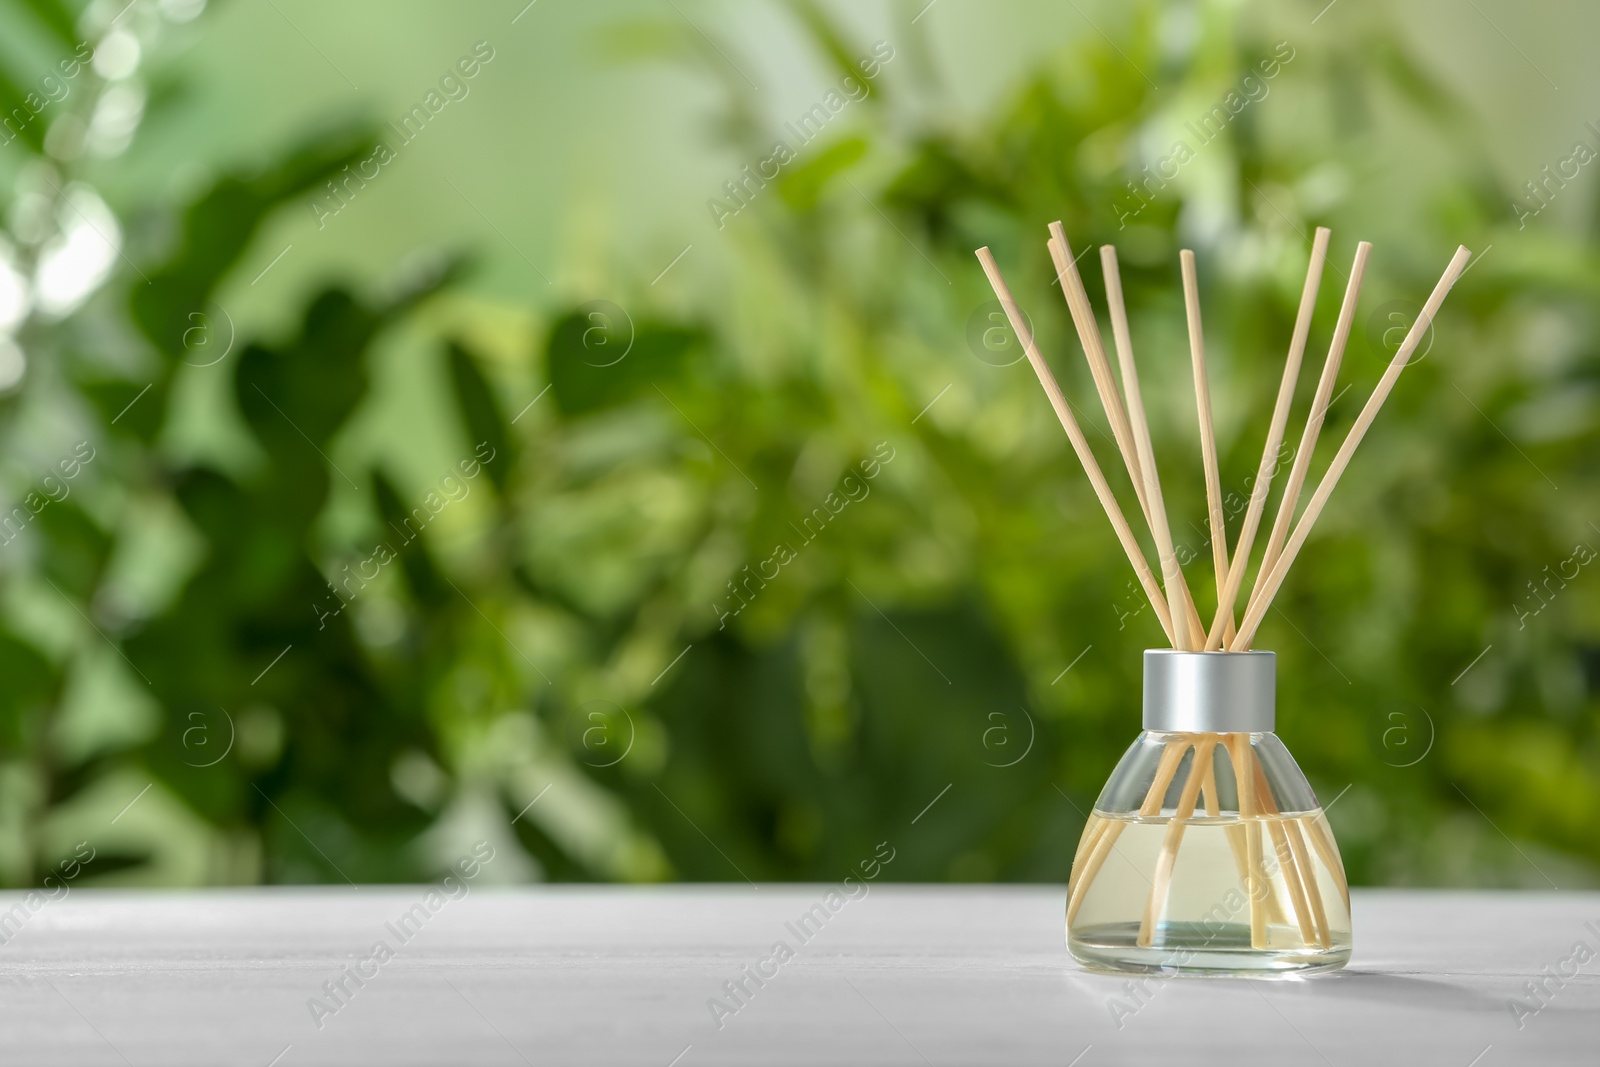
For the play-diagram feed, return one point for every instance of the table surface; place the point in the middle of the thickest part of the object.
(902, 975)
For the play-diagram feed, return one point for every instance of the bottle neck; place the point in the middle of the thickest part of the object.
(1209, 692)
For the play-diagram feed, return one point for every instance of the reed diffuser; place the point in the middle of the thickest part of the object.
(1207, 851)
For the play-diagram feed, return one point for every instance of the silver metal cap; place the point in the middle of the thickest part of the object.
(1210, 692)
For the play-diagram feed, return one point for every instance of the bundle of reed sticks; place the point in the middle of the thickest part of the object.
(1170, 595)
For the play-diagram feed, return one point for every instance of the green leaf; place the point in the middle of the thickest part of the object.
(75, 546)
(481, 413)
(30, 683)
(106, 861)
(297, 398)
(17, 120)
(422, 575)
(218, 229)
(802, 185)
(843, 56)
(136, 408)
(586, 376)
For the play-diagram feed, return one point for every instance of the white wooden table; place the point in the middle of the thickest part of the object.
(903, 975)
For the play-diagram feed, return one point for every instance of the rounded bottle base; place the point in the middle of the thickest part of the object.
(1195, 949)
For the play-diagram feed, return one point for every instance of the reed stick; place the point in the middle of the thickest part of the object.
(1229, 591)
(1091, 867)
(1171, 573)
(1155, 797)
(1319, 411)
(1322, 841)
(1094, 353)
(1293, 879)
(1208, 437)
(1308, 879)
(1239, 754)
(1208, 787)
(1233, 830)
(1300, 876)
(1108, 501)
(1091, 833)
(1185, 618)
(1262, 599)
(1166, 767)
(1086, 844)
(1174, 837)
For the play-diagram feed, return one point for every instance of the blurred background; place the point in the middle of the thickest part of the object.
(586, 427)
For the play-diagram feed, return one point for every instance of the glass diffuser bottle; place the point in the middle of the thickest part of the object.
(1207, 852)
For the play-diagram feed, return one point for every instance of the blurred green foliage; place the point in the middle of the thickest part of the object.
(791, 566)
